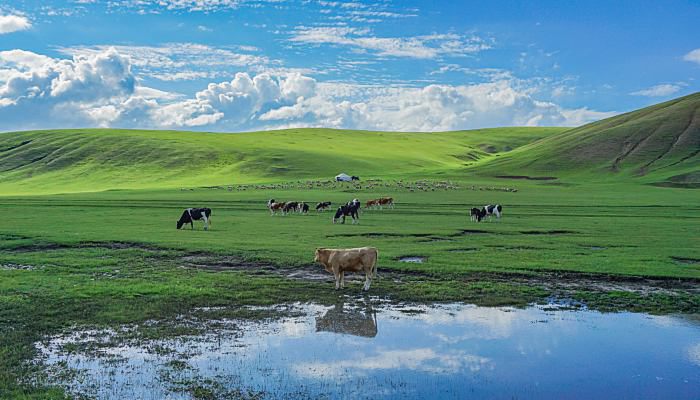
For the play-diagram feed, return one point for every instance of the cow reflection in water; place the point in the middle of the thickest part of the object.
(350, 321)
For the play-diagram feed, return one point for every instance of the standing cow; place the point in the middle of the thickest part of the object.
(338, 261)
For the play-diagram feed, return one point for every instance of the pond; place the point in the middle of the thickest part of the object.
(358, 349)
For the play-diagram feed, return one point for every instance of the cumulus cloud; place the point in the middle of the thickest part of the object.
(179, 61)
(425, 47)
(101, 89)
(13, 23)
(658, 90)
(693, 56)
(431, 108)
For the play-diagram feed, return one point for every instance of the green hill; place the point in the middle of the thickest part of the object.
(59, 161)
(660, 143)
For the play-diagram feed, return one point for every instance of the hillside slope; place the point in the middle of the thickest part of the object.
(653, 144)
(60, 161)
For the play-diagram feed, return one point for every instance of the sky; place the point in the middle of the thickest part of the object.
(243, 65)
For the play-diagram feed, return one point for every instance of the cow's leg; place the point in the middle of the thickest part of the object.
(368, 281)
(206, 223)
(337, 279)
(342, 279)
(192, 224)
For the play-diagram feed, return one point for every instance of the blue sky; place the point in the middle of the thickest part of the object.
(237, 65)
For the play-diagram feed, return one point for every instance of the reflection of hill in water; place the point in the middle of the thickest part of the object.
(349, 321)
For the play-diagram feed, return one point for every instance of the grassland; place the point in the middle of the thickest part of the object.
(88, 235)
(88, 160)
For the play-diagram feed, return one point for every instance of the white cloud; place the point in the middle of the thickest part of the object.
(420, 359)
(658, 90)
(693, 56)
(426, 46)
(188, 5)
(430, 108)
(13, 23)
(101, 89)
(180, 61)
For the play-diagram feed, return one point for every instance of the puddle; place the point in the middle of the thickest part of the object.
(413, 259)
(386, 351)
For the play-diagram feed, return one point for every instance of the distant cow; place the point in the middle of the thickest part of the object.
(303, 208)
(348, 210)
(323, 205)
(290, 206)
(372, 203)
(490, 210)
(475, 214)
(339, 261)
(195, 214)
(386, 201)
(274, 206)
(478, 214)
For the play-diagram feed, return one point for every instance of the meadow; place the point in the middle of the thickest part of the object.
(88, 237)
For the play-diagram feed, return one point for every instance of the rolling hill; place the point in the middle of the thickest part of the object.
(657, 144)
(58, 161)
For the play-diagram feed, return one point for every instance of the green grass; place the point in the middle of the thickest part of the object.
(655, 144)
(100, 159)
(68, 196)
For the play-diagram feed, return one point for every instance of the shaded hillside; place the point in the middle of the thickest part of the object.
(100, 159)
(657, 143)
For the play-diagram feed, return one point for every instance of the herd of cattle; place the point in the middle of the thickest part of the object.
(336, 261)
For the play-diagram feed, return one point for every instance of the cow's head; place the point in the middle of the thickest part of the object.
(321, 256)
(180, 223)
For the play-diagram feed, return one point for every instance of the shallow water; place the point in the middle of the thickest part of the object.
(388, 351)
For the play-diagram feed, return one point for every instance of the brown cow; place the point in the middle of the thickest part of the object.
(338, 261)
(372, 203)
(386, 201)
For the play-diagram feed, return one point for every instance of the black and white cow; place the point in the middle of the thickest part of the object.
(290, 206)
(323, 205)
(195, 214)
(348, 210)
(475, 214)
(493, 209)
(303, 208)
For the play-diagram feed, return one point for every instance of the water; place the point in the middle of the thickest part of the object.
(388, 351)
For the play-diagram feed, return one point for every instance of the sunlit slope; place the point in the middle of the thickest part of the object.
(100, 159)
(653, 144)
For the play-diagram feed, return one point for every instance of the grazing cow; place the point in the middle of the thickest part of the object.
(386, 201)
(274, 206)
(290, 206)
(348, 210)
(338, 261)
(475, 214)
(304, 208)
(371, 203)
(490, 210)
(195, 214)
(323, 205)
